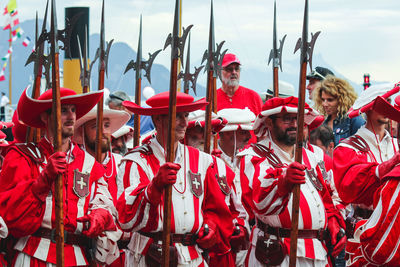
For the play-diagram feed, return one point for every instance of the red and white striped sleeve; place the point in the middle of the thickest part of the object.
(134, 209)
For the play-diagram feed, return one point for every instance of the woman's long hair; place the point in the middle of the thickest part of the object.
(339, 89)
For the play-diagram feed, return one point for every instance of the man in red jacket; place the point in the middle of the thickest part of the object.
(197, 200)
(28, 175)
(233, 95)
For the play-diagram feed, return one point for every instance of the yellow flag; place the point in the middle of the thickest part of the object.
(12, 5)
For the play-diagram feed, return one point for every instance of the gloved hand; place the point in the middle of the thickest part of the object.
(216, 153)
(56, 164)
(386, 166)
(294, 175)
(166, 175)
(206, 238)
(338, 236)
(239, 239)
(98, 221)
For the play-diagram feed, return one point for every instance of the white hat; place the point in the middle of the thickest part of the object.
(124, 130)
(117, 119)
(237, 118)
(198, 118)
(285, 89)
(369, 95)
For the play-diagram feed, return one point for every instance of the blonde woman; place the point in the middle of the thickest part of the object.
(333, 99)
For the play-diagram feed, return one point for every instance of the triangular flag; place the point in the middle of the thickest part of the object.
(10, 50)
(20, 32)
(15, 22)
(26, 41)
(14, 32)
(2, 77)
(14, 13)
(5, 57)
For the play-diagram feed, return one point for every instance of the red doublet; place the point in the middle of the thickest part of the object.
(193, 202)
(273, 209)
(30, 213)
(243, 97)
(355, 171)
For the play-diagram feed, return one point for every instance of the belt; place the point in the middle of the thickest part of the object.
(363, 213)
(319, 234)
(69, 238)
(187, 239)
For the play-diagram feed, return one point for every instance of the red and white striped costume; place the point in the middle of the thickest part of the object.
(355, 172)
(240, 217)
(3, 234)
(25, 213)
(377, 240)
(189, 212)
(374, 240)
(315, 206)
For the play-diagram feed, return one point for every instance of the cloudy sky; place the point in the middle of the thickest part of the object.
(357, 36)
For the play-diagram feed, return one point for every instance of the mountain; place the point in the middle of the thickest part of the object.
(258, 79)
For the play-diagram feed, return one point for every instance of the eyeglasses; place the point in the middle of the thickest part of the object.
(287, 119)
(230, 69)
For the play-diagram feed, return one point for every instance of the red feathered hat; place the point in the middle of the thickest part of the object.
(29, 109)
(277, 105)
(159, 104)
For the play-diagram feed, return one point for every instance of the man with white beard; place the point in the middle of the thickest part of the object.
(233, 95)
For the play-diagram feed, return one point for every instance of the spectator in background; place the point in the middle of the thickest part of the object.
(233, 95)
(3, 103)
(115, 100)
(333, 99)
(315, 78)
(323, 137)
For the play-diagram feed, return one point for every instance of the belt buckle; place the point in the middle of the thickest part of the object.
(321, 235)
(189, 239)
(53, 236)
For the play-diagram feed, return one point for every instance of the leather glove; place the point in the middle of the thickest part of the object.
(338, 237)
(216, 153)
(98, 221)
(206, 237)
(386, 166)
(166, 175)
(56, 164)
(294, 175)
(239, 239)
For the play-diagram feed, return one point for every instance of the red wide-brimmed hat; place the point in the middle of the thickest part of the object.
(277, 105)
(159, 104)
(29, 109)
(197, 118)
(368, 97)
(316, 122)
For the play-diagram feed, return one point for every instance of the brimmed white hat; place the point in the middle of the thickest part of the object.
(118, 118)
(364, 101)
(237, 118)
(285, 89)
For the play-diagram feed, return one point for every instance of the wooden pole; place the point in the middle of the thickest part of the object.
(56, 118)
(9, 72)
(299, 138)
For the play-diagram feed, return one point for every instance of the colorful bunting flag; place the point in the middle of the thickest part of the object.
(5, 57)
(11, 6)
(2, 77)
(11, 22)
(26, 41)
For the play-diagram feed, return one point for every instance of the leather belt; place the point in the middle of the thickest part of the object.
(320, 234)
(69, 238)
(188, 239)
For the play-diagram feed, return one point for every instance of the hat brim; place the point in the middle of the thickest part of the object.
(309, 116)
(29, 109)
(235, 127)
(386, 109)
(136, 109)
(216, 124)
(117, 119)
